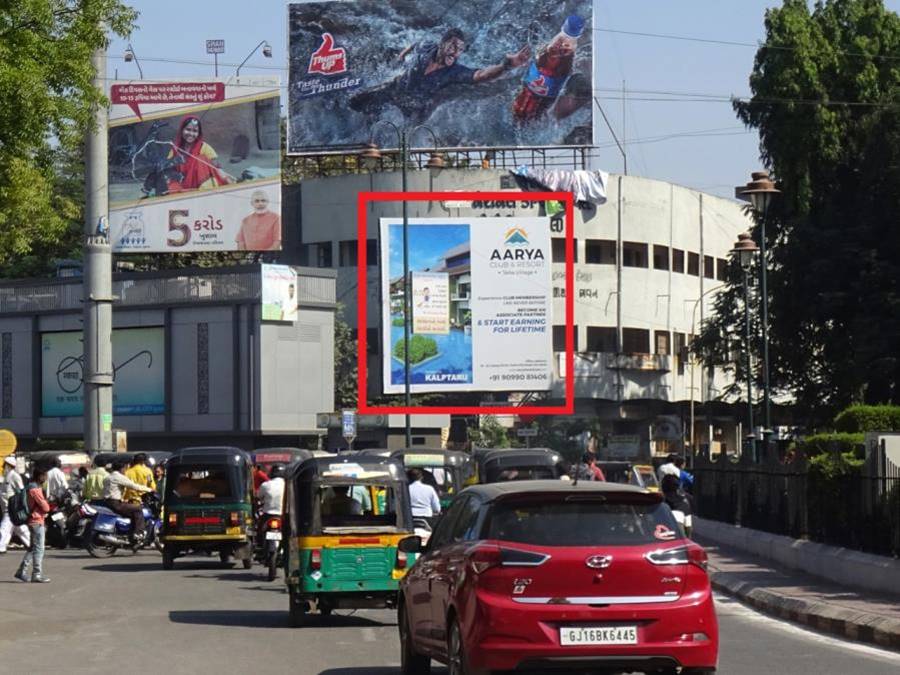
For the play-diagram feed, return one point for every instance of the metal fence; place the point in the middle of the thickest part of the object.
(857, 509)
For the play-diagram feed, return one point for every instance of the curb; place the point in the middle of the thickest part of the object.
(858, 626)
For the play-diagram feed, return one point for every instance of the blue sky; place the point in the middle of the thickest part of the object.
(699, 144)
(427, 245)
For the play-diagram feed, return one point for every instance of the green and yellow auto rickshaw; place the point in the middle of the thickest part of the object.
(444, 470)
(208, 505)
(348, 533)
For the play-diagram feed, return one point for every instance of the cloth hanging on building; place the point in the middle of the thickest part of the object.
(587, 187)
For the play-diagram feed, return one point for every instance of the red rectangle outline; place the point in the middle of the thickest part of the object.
(363, 198)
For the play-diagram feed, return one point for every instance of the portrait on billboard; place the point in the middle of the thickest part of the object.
(279, 293)
(480, 298)
(480, 74)
(195, 166)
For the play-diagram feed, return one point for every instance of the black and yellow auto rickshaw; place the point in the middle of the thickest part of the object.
(503, 464)
(348, 533)
(208, 504)
(266, 458)
(444, 470)
(640, 475)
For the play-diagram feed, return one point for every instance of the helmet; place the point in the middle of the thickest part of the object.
(277, 471)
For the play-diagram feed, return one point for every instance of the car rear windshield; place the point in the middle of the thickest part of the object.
(499, 474)
(581, 523)
(357, 505)
(203, 484)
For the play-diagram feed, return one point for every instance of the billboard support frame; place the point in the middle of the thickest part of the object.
(363, 200)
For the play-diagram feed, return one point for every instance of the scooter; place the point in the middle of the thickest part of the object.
(107, 531)
(268, 544)
(61, 512)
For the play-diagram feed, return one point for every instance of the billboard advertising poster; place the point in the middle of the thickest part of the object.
(489, 279)
(480, 73)
(138, 372)
(195, 166)
(279, 293)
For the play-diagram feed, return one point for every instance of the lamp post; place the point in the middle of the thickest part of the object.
(266, 50)
(371, 154)
(745, 250)
(130, 55)
(694, 360)
(760, 191)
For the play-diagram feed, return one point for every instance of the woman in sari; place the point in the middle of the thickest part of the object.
(198, 161)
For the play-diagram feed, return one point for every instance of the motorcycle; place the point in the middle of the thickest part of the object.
(107, 531)
(268, 544)
(59, 519)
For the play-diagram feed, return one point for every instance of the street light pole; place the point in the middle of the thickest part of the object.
(760, 191)
(746, 250)
(694, 360)
(267, 52)
(372, 153)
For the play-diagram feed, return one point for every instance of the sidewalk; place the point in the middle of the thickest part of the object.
(802, 598)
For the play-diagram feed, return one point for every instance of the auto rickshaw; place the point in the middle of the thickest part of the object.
(503, 464)
(444, 470)
(641, 475)
(266, 458)
(348, 533)
(155, 457)
(208, 504)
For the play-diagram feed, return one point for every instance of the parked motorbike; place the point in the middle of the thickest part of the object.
(268, 549)
(107, 531)
(57, 521)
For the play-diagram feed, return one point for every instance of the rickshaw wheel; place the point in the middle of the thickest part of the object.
(297, 612)
(168, 557)
(247, 563)
(225, 557)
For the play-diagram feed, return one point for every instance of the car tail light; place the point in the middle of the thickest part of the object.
(234, 518)
(693, 637)
(173, 519)
(315, 560)
(402, 559)
(274, 523)
(484, 558)
(680, 555)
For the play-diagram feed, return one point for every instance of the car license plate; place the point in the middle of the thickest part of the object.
(273, 536)
(58, 516)
(575, 636)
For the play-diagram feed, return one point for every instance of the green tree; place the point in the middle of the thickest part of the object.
(46, 103)
(345, 364)
(826, 88)
(489, 434)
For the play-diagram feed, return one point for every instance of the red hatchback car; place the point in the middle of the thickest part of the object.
(546, 575)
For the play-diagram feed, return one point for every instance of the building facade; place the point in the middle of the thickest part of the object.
(648, 265)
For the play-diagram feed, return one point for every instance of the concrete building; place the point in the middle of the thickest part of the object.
(648, 266)
(193, 361)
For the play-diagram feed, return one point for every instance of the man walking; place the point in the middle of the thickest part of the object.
(38, 507)
(12, 483)
(423, 499)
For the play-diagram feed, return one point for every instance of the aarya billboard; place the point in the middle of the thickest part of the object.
(480, 73)
(481, 304)
(195, 166)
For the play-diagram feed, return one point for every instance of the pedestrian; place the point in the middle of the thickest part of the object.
(686, 479)
(668, 468)
(423, 498)
(12, 483)
(93, 484)
(57, 483)
(584, 470)
(38, 507)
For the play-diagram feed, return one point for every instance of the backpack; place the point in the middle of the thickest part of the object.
(17, 507)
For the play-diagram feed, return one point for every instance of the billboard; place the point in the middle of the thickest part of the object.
(279, 293)
(481, 304)
(480, 73)
(195, 166)
(138, 372)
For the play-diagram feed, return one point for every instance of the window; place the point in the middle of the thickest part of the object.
(680, 352)
(444, 527)
(635, 341)
(601, 339)
(559, 250)
(662, 342)
(660, 257)
(320, 254)
(694, 264)
(677, 260)
(559, 338)
(372, 341)
(464, 527)
(347, 253)
(634, 254)
(202, 483)
(351, 505)
(600, 252)
(721, 269)
(709, 267)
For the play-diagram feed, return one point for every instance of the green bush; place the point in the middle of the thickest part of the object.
(862, 418)
(397, 322)
(826, 444)
(420, 348)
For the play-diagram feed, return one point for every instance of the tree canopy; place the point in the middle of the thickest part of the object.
(46, 99)
(826, 103)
